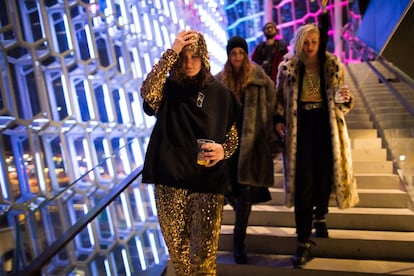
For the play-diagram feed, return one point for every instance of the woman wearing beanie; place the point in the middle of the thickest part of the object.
(252, 168)
(183, 95)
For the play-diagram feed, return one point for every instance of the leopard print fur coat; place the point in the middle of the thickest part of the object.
(344, 182)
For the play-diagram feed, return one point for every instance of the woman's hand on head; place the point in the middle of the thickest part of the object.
(183, 39)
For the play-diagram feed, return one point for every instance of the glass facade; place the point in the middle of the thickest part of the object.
(72, 127)
(71, 123)
(247, 18)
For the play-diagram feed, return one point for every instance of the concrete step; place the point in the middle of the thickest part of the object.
(360, 166)
(399, 133)
(364, 181)
(363, 133)
(341, 244)
(368, 154)
(271, 265)
(369, 198)
(356, 124)
(358, 218)
(364, 143)
(372, 166)
(401, 124)
(361, 115)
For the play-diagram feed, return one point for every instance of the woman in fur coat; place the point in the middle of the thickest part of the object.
(317, 157)
(253, 161)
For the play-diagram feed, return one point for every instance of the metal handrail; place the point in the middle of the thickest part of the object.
(35, 267)
(391, 88)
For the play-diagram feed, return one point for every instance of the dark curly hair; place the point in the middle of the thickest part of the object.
(204, 76)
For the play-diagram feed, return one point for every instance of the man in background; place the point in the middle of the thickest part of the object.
(270, 52)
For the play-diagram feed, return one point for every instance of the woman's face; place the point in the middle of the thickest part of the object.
(311, 45)
(236, 58)
(191, 63)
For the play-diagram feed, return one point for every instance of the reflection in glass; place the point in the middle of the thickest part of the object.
(138, 210)
(56, 165)
(104, 223)
(103, 49)
(83, 162)
(121, 161)
(85, 106)
(62, 33)
(84, 241)
(29, 14)
(59, 97)
(117, 256)
(136, 254)
(103, 102)
(121, 109)
(83, 38)
(137, 112)
(135, 153)
(99, 266)
(102, 153)
(122, 215)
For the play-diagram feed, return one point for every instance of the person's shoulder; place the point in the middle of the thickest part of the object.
(258, 71)
(332, 62)
(260, 77)
(288, 60)
(219, 76)
(280, 44)
(332, 58)
(260, 45)
(217, 85)
(288, 65)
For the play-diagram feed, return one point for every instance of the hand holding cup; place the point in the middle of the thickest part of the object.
(202, 148)
(342, 94)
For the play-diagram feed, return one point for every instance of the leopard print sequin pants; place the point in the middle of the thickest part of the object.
(190, 223)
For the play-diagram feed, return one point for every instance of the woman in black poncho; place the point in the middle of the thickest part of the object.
(189, 104)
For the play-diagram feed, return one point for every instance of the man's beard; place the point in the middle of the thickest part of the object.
(269, 36)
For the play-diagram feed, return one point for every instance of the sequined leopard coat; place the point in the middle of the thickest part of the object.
(344, 182)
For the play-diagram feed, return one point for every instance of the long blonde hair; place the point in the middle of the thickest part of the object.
(237, 81)
(298, 40)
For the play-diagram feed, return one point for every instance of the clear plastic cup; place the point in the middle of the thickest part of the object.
(339, 95)
(200, 160)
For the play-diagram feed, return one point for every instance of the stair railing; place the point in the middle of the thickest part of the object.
(35, 267)
(368, 56)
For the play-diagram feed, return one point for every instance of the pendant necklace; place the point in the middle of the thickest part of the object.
(313, 81)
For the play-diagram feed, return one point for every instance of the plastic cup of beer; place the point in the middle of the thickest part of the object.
(339, 96)
(200, 160)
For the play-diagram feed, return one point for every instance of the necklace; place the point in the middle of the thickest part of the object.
(313, 82)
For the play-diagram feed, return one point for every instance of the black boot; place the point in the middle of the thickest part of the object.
(239, 253)
(242, 213)
(239, 236)
(321, 231)
(302, 255)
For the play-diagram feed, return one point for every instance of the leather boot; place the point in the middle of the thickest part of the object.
(302, 255)
(321, 231)
(239, 253)
(242, 213)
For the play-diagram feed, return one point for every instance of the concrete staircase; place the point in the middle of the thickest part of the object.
(374, 238)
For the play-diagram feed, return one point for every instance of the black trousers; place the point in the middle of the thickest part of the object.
(313, 170)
